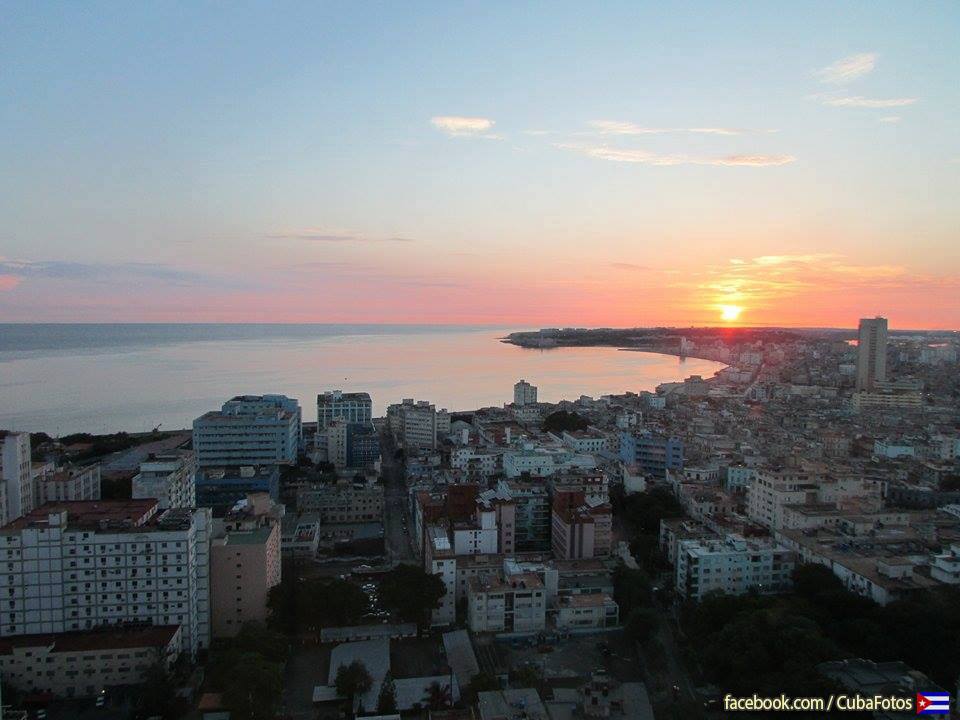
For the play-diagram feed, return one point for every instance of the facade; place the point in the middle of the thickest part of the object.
(244, 565)
(342, 503)
(580, 530)
(356, 407)
(654, 454)
(168, 477)
(81, 664)
(16, 480)
(299, 536)
(524, 393)
(352, 445)
(517, 604)
(532, 518)
(871, 353)
(733, 566)
(67, 483)
(775, 488)
(440, 560)
(223, 487)
(418, 425)
(75, 566)
(249, 430)
(586, 611)
(945, 567)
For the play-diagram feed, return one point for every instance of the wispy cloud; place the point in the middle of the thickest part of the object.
(847, 69)
(333, 236)
(891, 119)
(620, 127)
(460, 126)
(858, 101)
(62, 270)
(628, 266)
(644, 157)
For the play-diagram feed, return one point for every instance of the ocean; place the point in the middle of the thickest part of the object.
(102, 378)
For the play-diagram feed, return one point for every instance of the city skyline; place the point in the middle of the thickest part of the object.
(756, 165)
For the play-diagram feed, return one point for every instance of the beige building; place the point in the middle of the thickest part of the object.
(517, 604)
(871, 353)
(16, 480)
(345, 502)
(418, 425)
(52, 484)
(244, 565)
(75, 665)
(586, 610)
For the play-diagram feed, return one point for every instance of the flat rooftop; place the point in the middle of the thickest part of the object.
(105, 639)
(89, 513)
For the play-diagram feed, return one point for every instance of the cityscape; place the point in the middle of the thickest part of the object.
(479, 361)
(766, 530)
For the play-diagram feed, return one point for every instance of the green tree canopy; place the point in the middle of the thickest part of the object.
(387, 699)
(352, 680)
(411, 592)
(562, 420)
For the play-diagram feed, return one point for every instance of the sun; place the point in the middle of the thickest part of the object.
(730, 313)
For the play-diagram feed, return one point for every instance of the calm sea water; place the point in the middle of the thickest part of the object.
(103, 378)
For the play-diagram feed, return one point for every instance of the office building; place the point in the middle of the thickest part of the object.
(75, 566)
(249, 430)
(16, 481)
(356, 407)
(223, 487)
(168, 477)
(871, 353)
(418, 425)
(524, 393)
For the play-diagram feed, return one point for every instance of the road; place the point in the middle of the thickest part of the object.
(396, 513)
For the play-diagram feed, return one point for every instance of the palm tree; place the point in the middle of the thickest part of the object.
(438, 696)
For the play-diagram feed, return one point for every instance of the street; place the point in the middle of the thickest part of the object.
(397, 526)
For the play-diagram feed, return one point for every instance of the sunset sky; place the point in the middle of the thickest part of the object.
(575, 163)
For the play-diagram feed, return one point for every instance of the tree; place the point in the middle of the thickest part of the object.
(156, 695)
(641, 626)
(352, 680)
(252, 687)
(296, 604)
(631, 588)
(438, 696)
(525, 676)
(411, 592)
(562, 420)
(387, 699)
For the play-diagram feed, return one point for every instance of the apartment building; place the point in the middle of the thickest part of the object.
(524, 393)
(81, 664)
(653, 453)
(440, 560)
(732, 565)
(774, 488)
(585, 441)
(350, 407)
(581, 528)
(476, 463)
(75, 566)
(244, 566)
(506, 605)
(168, 477)
(586, 611)
(418, 425)
(532, 518)
(343, 502)
(532, 460)
(66, 483)
(249, 430)
(16, 481)
(351, 445)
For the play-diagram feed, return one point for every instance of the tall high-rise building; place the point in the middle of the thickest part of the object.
(249, 430)
(524, 393)
(169, 478)
(16, 480)
(356, 408)
(872, 353)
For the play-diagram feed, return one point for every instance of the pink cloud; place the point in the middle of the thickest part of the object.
(8, 282)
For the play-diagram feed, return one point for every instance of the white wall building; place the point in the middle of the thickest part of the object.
(517, 604)
(351, 407)
(249, 430)
(16, 497)
(524, 393)
(418, 425)
(732, 565)
(168, 477)
(79, 565)
(67, 483)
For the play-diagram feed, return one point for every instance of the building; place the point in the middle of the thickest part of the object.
(66, 483)
(244, 565)
(439, 559)
(732, 565)
(81, 664)
(75, 566)
(871, 353)
(514, 704)
(223, 487)
(601, 697)
(418, 425)
(586, 611)
(351, 445)
(168, 477)
(775, 488)
(16, 481)
(351, 407)
(249, 430)
(581, 527)
(343, 502)
(945, 566)
(532, 518)
(906, 394)
(524, 393)
(653, 453)
(517, 604)
(300, 536)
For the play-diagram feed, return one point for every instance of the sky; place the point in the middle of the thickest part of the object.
(534, 164)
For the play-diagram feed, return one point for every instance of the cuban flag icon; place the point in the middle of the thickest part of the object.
(933, 703)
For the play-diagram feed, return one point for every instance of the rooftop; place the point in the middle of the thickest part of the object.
(105, 639)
